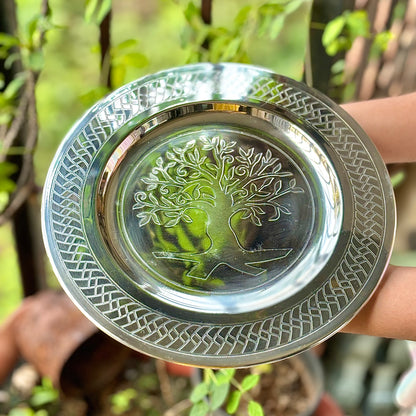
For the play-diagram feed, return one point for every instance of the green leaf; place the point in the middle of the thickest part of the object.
(135, 60)
(276, 27)
(250, 381)
(224, 376)
(32, 26)
(341, 44)
(293, 5)
(44, 394)
(21, 411)
(242, 16)
(103, 10)
(255, 409)
(6, 117)
(44, 397)
(218, 395)
(338, 66)
(11, 59)
(8, 40)
(7, 169)
(271, 9)
(199, 409)
(36, 60)
(191, 12)
(332, 30)
(380, 43)
(358, 24)
(233, 402)
(117, 75)
(232, 49)
(121, 401)
(90, 8)
(96, 10)
(398, 178)
(127, 44)
(199, 392)
(13, 87)
(93, 95)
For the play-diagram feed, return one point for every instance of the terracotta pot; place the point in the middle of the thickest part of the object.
(8, 349)
(62, 344)
(180, 370)
(328, 407)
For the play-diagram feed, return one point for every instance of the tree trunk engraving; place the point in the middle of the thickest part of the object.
(225, 183)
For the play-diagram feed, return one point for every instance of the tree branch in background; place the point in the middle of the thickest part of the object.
(23, 132)
(206, 15)
(206, 11)
(105, 47)
(19, 139)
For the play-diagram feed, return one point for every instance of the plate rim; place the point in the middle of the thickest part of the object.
(248, 358)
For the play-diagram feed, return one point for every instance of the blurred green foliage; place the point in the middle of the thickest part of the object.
(146, 37)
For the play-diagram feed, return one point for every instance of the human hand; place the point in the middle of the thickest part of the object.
(391, 311)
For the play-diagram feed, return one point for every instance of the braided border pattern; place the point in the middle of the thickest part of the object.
(217, 340)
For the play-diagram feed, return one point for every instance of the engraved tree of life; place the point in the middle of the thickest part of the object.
(215, 177)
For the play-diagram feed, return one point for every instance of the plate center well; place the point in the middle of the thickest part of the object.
(219, 216)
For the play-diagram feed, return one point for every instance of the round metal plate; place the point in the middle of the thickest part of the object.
(218, 215)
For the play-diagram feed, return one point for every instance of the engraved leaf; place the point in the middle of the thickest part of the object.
(267, 156)
(258, 209)
(196, 192)
(171, 214)
(257, 158)
(190, 144)
(153, 199)
(197, 155)
(172, 222)
(246, 214)
(277, 186)
(276, 214)
(156, 219)
(186, 218)
(150, 180)
(298, 190)
(212, 166)
(191, 157)
(285, 210)
(151, 186)
(170, 155)
(266, 183)
(166, 201)
(277, 168)
(292, 183)
(144, 220)
(159, 162)
(231, 173)
(255, 219)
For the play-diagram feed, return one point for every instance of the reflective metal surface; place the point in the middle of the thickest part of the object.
(218, 215)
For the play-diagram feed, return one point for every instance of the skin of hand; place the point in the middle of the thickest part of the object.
(391, 311)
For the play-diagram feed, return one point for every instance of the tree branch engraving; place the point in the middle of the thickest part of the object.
(224, 181)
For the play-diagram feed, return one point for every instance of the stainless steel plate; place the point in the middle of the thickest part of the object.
(218, 215)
